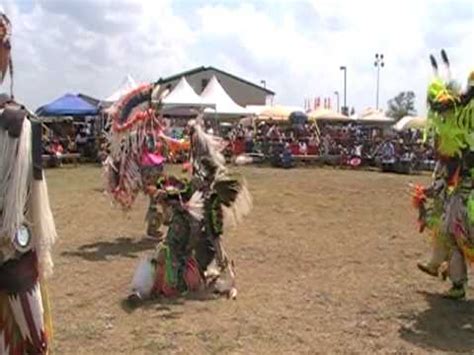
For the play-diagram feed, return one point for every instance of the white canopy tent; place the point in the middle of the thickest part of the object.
(183, 95)
(183, 101)
(224, 104)
(127, 85)
(410, 122)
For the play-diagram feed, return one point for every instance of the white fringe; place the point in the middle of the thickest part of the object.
(4, 349)
(23, 200)
(125, 149)
(15, 179)
(43, 226)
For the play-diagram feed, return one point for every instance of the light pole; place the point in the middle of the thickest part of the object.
(337, 99)
(379, 63)
(344, 109)
(264, 83)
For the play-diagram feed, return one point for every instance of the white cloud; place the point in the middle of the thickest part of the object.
(296, 46)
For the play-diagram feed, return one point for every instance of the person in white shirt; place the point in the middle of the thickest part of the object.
(303, 147)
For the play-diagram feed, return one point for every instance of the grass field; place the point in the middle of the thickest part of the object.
(326, 263)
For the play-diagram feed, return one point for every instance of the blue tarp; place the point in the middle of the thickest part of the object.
(68, 105)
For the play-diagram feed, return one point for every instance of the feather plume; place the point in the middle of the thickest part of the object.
(28, 311)
(195, 206)
(445, 59)
(35, 304)
(204, 144)
(240, 208)
(19, 315)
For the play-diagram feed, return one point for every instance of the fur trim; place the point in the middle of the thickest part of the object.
(144, 278)
(243, 160)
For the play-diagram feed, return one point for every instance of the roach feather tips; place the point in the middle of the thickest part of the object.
(444, 56)
(434, 64)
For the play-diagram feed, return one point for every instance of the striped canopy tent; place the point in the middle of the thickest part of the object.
(373, 116)
(410, 122)
(278, 112)
(327, 115)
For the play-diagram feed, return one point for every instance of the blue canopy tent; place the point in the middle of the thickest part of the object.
(68, 105)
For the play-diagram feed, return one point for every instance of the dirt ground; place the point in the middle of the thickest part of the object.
(326, 263)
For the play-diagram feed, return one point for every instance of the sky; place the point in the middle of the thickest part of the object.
(296, 46)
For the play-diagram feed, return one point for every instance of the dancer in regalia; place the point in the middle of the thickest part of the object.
(191, 256)
(430, 203)
(451, 119)
(137, 153)
(27, 230)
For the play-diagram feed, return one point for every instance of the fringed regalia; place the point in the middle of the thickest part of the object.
(192, 256)
(27, 229)
(451, 214)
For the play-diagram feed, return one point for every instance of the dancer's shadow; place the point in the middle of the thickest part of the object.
(167, 307)
(100, 251)
(446, 326)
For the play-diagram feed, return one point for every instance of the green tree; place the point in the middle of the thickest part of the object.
(402, 105)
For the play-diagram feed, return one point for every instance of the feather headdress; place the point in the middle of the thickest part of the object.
(5, 50)
(133, 119)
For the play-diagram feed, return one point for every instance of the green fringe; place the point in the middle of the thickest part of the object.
(470, 208)
(170, 273)
(452, 139)
(455, 126)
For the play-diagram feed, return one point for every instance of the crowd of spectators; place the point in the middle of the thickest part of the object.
(339, 143)
(343, 144)
(80, 141)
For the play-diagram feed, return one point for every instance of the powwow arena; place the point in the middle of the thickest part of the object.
(237, 259)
